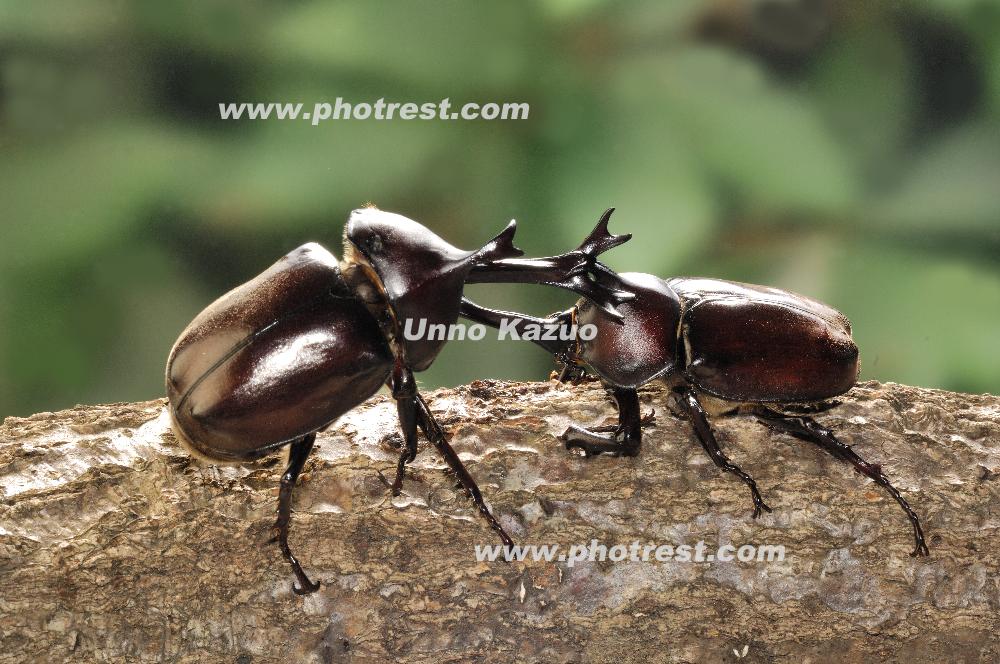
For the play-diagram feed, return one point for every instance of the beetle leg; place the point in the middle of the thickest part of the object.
(627, 436)
(406, 408)
(806, 428)
(432, 430)
(404, 388)
(297, 455)
(646, 420)
(570, 372)
(516, 322)
(692, 408)
(631, 412)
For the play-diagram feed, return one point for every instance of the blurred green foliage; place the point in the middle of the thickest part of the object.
(846, 150)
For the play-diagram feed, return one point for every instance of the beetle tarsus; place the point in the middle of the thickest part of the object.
(808, 429)
(626, 437)
(297, 455)
(593, 444)
(647, 421)
(696, 414)
(570, 372)
(397, 485)
(408, 454)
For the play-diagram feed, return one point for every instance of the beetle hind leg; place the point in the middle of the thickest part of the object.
(626, 437)
(693, 410)
(806, 428)
(297, 455)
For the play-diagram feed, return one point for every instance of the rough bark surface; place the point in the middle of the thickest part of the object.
(117, 546)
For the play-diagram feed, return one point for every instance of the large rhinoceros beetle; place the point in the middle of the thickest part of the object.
(281, 357)
(740, 348)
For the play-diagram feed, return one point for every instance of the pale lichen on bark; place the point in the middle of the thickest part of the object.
(116, 546)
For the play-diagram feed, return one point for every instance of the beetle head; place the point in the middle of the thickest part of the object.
(420, 275)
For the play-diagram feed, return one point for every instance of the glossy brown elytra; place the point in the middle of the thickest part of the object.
(281, 357)
(751, 349)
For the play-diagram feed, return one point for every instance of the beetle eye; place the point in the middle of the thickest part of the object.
(375, 244)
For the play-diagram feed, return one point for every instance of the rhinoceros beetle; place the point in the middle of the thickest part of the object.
(281, 357)
(741, 348)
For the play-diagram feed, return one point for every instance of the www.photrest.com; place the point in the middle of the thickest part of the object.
(636, 552)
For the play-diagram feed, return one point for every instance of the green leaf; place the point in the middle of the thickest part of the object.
(452, 45)
(67, 199)
(950, 185)
(921, 319)
(863, 86)
(766, 142)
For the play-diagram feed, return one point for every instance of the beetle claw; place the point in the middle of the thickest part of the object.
(307, 587)
(758, 507)
(382, 478)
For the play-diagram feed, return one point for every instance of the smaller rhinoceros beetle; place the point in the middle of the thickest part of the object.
(741, 348)
(282, 356)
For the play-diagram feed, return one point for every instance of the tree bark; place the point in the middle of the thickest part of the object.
(116, 545)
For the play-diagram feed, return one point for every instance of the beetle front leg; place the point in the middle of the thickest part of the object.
(432, 430)
(808, 429)
(570, 372)
(413, 412)
(627, 437)
(297, 455)
(404, 391)
(692, 408)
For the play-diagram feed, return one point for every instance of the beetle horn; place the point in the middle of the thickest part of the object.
(499, 248)
(577, 270)
(600, 289)
(594, 280)
(601, 239)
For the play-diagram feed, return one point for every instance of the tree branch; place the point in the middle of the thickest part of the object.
(115, 545)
